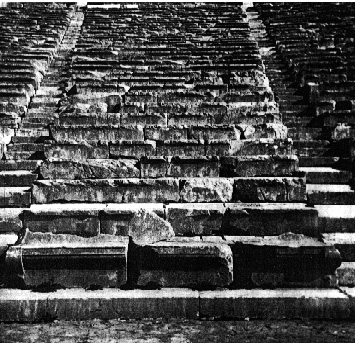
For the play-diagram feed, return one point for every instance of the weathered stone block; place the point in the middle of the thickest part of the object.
(275, 304)
(79, 134)
(15, 196)
(77, 152)
(69, 261)
(261, 165)
(166, 133)
(134, 149)
(79, 219)
(10, 219)
(117, 191)
(152, 167)
(344, 242)
(181, 166)
(270, 189)
(215, 133)
(184, 262)
(269, 219)
(90, 169)
(195, 219)
(206, 190)
(177, 148)
(115, 218)
(289, 260)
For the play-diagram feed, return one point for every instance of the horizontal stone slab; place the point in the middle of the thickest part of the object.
(78, 304)
(68, 260)
(275, 304)
(270, 189)
(288, 260)
(133, 149)
(90, 169)
(17, 178)
(95, 134)
(346, 274)
(113, 190)
(184, 262)
(261, 165)
(77, 152)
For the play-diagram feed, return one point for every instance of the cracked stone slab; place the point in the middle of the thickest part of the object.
(77, 152)
(112, 190)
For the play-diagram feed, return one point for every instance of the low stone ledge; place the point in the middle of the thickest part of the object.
(276, 304)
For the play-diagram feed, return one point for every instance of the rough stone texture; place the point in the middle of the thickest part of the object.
(10, 220)
(272, 189)
(75, 219)
(115, 218)
(117, 191)
(288, 260)
(185, 262)
(269, 219)
(344, 242)
(275, 304)
(90, 169)
(346, 274)
(68, 260)
(206, 190)
(78, 304)
(336, 218)
(147, 228)
(195, 219)
(248, 166)
(77, 152)
(15, 197)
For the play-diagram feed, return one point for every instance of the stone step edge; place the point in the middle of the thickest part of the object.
(79, 304)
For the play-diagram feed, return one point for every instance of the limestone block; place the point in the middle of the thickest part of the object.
(184, 262)
(206, 190)
(166, 133)
(142, 119)
(10, 220)
(89, 119)
(69, 261)
(132, 149)
(15, 197)
(270, 189)
(77, 152)
(191, 148)
(79, 134)
(260, 165)
(79, 219)
(152, 167)
(275, 304)
(269, 219)
(344, 242)
(288, 260)
(195, 219)
(115, 218)
(215, 133)
(116, 191)
(181, 166)
(90, 169)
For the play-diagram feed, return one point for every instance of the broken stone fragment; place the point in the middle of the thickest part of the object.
(147, 227)
(207, 190)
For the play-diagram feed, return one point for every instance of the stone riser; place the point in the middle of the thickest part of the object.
(26, 306)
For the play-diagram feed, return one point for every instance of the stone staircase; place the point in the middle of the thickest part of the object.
(172, 162)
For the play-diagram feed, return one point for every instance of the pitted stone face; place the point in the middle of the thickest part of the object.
(147, 228)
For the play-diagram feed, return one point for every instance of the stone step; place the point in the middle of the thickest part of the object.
(15, 197)
(336, 218)
(79, 304)
(17, 178)
(325, 161)
(320, 194)
(288, 260)
(30, 165)
(186, 219)
(326, 175)
(344, 242)
(256, 189)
